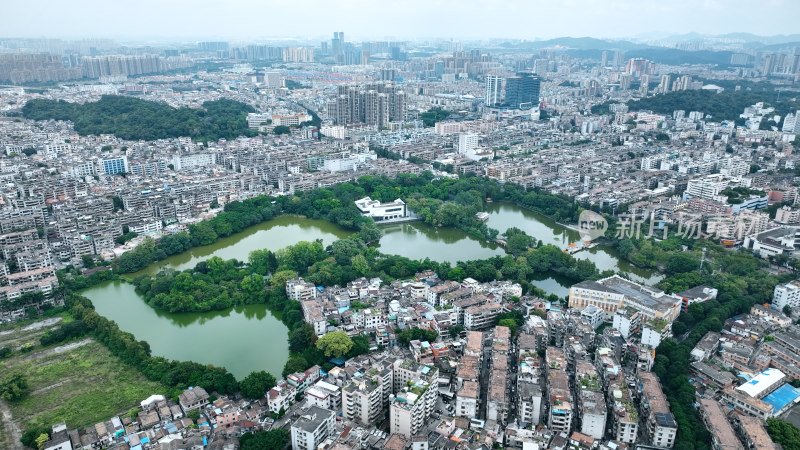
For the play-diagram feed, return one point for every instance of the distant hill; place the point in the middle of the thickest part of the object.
(581, 43)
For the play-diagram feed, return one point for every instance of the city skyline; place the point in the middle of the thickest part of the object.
(248, 20)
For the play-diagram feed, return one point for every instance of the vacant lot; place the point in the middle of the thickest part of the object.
(77, 382)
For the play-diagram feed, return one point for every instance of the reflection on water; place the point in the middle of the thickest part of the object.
(274, 234)
(503, 216)
(241, 339)
(417, 240)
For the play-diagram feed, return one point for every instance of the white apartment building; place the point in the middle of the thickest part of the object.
(707, 187)
(411, 408)
(654, 332)
(592, 407)
(594, 316)
(190, 161)
(626, 320)
(362, 400)
(481, 316)
(467, 143)
(310, 430)
(786, 295)
(529, 402)
(467, 400)
(325, 395)
(787, 214)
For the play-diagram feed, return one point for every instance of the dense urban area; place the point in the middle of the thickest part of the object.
(557, 244)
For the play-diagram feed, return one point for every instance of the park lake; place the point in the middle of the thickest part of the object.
(248, 338)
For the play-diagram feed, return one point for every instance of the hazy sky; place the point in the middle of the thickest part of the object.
(400, 19)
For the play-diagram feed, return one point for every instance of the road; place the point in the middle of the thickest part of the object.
(13, 433)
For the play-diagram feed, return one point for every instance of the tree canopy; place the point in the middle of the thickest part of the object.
(136, 119)
(256, 384)
(335, 344)
(265, 440)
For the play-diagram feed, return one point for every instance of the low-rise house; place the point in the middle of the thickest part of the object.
(193, 398)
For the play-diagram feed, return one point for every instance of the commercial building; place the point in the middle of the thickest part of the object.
(522, 91)
(494, 91)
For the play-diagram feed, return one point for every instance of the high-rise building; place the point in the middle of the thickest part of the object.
(522, 91)
(640, 66)
(115, 166)
(298, 54)
(541, 66)
(644, 84)
(467, 143)
(412, 406)
(769, 64)
(337, 45)
(604, 58)
(664, 85)
(494, 85)
(373, 104)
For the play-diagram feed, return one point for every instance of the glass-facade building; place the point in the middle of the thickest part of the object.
(522, 91)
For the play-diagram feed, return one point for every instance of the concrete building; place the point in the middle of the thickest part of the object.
(482, 316)
(594, 316)
(660, 424)
(382, 211)
(191, 161)
(614, 292)
(467, 143)
(722, 436)
(752, 433)
(592, 411)
(467, 400)
(746, 404)
(787, 294)
(312, 427)
(193, 398)
(529, 402)
(325, 395)
(364, 398)
(411, 407)
(494, 91)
